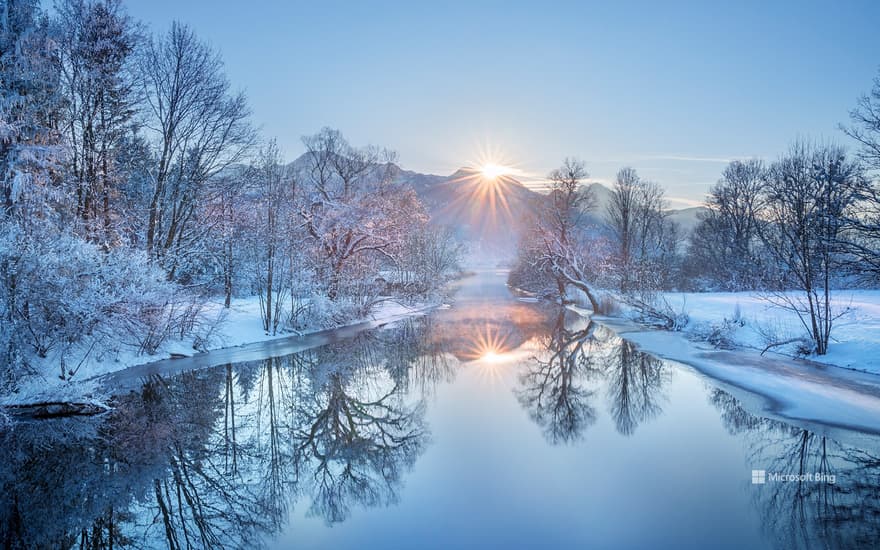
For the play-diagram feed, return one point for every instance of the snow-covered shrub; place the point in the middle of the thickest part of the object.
(680, 320)
(430, 257)
(779, 337)
(206, 331)
(312, 312)
(65, 300)
(657, 311)
(738, 316)
(721, 335)
(318, 311)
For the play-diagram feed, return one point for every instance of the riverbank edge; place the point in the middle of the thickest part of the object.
(818, 396)
(92, 395)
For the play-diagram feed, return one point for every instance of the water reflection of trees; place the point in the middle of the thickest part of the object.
(215, 458)
(635, 382)
(553, 386)
(196, 504)
(560, 384)
(809, 514)
(78, 483)
(353, 447)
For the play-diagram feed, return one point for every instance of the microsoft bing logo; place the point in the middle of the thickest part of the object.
(760, 477)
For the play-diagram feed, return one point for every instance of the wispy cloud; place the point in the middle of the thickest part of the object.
(670, 157)
(683, 202)
(689, 158)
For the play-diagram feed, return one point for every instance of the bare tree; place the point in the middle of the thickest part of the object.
(725, 241)
(646, 240)
(809, 194)
(276, 188)
(621, 217)
(570, 200)
(200, 127)
(864, 241)
(227, 202)
(865, 129)
(652, 231)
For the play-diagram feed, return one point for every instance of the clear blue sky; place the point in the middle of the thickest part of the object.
(671, 88)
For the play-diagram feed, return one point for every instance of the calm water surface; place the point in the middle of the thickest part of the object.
(495, 423)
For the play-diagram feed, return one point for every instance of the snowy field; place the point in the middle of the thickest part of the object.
(239, 325)
(750, 321)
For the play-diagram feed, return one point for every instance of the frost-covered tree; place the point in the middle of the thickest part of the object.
(30, 104)
(96, 40)
(72, 291)
(356, 215)
(276, 188)
(558, 249)
(225, 247)
(429, 257)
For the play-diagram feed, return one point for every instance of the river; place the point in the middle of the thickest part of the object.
(498, 422)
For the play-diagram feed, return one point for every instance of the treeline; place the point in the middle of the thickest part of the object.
(134, 187)
(795, 230)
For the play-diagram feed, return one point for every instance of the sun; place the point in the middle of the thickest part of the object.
(488, 345)
(486, 190)
(493, 171)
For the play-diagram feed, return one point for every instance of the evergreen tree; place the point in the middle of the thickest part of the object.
(29, 110)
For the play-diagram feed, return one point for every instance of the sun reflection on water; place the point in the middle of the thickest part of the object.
(490, 353)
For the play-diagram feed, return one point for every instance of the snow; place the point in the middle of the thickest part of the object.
(855, 337)
(822, 397)
(838, 390)
(238, 326)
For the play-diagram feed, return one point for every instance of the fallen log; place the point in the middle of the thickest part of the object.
(55, 409)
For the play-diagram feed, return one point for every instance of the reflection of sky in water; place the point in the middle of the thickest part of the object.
(494, 423)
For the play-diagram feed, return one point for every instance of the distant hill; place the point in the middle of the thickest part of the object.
(491, 214)
(419, 182)
(456, 201)
(603, 198)
(687, 218)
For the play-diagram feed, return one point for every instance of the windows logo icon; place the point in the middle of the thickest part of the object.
(759, 477)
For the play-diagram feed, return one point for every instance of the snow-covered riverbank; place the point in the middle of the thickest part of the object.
(726, 333)
(238, 329)
(746, 320)
(809, 392)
